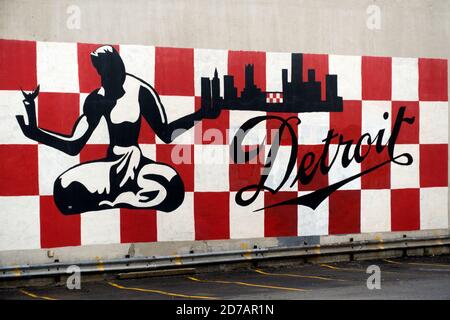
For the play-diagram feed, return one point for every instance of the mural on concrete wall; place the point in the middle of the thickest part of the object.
(126, 178)
(137, 143)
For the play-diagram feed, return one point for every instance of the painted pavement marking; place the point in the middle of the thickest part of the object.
(391, 261)
(419, 263)
(171, 294)
(246, 284)
(295, 275)
(429, 264)
(35, 296)
(350, 269)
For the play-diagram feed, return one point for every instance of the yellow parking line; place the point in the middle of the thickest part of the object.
(346, 269)
(35, 296)
(391, 261)
(430, 264)
(351, 269)
(160, 292)
(247, 284)
(335, 268)
(294, 275)
(420, 263)
(341, 269)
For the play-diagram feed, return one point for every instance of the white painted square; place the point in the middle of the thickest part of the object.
(244, 222)
(373, 121)
(19, 223)
(313, 127)
(139, 61)
(100, 134)
(100, 227)
(148, 151)
(205, 62)
(433, 208)
(348, 71)
(338, 173)
(211, 167)
(178, 225)
(433, 122)
(57, 66)
(313, 222)
(280, 168)
(256, 136)
(405, 79)
(275, 62)
(375, 210)
(403, 177)
(52, 163)
(177, 107)
(10, 106)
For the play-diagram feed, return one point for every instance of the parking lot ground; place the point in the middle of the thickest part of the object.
(401, 278)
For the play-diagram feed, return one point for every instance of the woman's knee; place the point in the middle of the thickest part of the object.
(64, 198)
(175, 194)
(73, 198)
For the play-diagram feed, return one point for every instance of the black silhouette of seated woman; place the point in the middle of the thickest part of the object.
(125, 178)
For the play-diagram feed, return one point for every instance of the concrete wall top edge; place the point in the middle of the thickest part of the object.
(408, 28)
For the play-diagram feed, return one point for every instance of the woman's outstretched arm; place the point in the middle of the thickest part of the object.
(70, 144)
(154, 113)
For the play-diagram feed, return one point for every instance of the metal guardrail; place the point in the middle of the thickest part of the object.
(177, 261)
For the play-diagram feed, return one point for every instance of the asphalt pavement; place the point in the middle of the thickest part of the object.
(399, 278)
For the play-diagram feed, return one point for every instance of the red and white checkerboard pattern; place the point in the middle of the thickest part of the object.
(274, 97)
(392, 198)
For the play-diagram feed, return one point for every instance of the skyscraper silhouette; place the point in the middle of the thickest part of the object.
(296, 96)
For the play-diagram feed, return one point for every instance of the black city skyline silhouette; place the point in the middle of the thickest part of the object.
(296, 96)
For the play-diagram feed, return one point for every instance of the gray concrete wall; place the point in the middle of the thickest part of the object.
(408, 28)
(414, 28)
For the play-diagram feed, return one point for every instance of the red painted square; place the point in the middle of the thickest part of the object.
(181, 158)
(318, 62)
(433, 165)
(345, 212)
(17, 65)
(347, 122)
(280, 221)
(236, 67)
(433, 81)
(245, 174)
(273, 126)
(174, 71)
(19, 170)
(405, 209)
(92, 152)
(58, 112)
(212, 215)
(376, 75)
(212, 131)
(409, 133)
(137, 225)
(146, 135)
(379, 178)
(319, 180)
(58, 230)
(87, 74)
